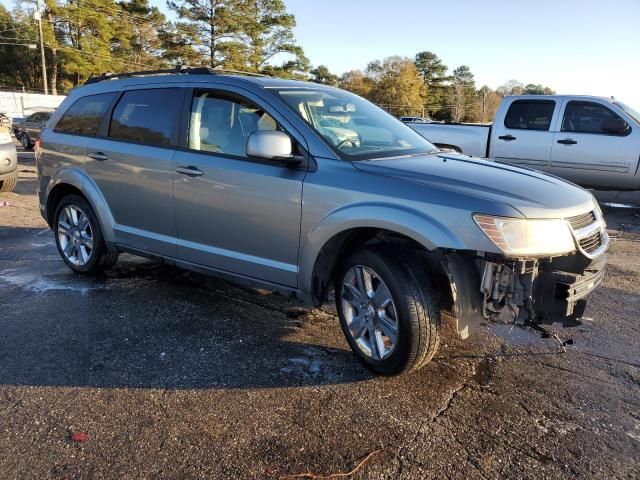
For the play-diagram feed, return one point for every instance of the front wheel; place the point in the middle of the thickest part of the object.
(388, 310)
(79, 238)
(8, 185)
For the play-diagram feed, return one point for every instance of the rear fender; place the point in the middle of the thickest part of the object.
(79, 179)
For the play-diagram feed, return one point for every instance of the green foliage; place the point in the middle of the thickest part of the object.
(20, 65)
(268, 32)
(321, 74)
(538, 89)
(86, 37)
(212, 25)
(431, 68)
(462, 93)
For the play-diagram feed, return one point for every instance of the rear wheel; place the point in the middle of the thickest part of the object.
(79, 238)
(388, 310)
(8, 185)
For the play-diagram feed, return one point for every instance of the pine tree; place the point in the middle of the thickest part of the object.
(214, 26)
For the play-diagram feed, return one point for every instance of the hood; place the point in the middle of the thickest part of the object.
(534, 194)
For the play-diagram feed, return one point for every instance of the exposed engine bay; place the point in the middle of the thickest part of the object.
(524, 291)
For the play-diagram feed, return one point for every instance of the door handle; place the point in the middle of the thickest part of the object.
(507, 138)
(568, 141)
(101, 157)
(190, 171)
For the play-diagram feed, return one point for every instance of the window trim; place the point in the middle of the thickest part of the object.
(183, 142)
(533, 100)
(588, 102)
(103, 129)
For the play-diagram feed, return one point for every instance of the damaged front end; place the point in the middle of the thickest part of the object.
(543, 290)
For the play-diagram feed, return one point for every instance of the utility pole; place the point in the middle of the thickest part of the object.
(44, 67)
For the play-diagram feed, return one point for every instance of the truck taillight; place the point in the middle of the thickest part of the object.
(37, 144)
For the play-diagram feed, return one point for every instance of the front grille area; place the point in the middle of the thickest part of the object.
(581, 221)
(592, 242)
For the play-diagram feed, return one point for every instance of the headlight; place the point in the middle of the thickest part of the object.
(522, 237)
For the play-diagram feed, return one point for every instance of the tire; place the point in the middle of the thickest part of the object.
(412, 298)
(25, 141)
(74, 237)
(8, 185)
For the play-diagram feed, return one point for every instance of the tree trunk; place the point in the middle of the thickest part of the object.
(53, 74)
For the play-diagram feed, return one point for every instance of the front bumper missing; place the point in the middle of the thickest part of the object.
(530, 291)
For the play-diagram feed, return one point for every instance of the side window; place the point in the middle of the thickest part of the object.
(85, 115)
(589, 117)
(146, 116)
(530, 114)
(222, 124)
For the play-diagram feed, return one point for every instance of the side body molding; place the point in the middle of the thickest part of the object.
(78, 178)
(416, 225)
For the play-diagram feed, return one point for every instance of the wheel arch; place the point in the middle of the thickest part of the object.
(342, 231)
(74, 181)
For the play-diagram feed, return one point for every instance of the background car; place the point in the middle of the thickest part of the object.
(415, 119)
(28, 130)
(8, 161)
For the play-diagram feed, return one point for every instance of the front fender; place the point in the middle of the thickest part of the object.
(416, 225)
(78, 178)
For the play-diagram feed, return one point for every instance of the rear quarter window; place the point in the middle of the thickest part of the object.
(530, 114)
(85, 115)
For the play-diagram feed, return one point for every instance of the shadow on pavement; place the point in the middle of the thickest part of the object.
(147, 325)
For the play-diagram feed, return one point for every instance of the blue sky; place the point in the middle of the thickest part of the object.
(583, 47)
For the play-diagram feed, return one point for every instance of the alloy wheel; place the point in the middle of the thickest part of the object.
(75, 235)
(369, 311)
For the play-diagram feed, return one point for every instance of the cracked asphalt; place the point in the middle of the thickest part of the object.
(173, 375)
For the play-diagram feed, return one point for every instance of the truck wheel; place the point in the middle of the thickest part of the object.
(388, 310)
(79, 238)
(8, 185)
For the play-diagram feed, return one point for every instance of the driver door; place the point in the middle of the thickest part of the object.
(235, 213)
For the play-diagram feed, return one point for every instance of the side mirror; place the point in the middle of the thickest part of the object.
(272, 145)
(615, 126)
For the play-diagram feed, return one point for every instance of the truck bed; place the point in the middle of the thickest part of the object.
(470, 138)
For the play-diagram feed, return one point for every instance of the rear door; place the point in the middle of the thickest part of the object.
(523, 136)
(131, 164)
(235, 213)
(589, 155)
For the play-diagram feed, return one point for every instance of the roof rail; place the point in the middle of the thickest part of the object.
(179, 69)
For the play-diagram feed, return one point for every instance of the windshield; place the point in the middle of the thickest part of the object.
(629, 111)
(355, 128)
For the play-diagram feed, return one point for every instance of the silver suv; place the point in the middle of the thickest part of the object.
(308, 189)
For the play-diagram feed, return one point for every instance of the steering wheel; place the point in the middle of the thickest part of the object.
(349, 141)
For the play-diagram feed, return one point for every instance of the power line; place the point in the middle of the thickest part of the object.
(21, 44)
(101, 56)
(24, 27)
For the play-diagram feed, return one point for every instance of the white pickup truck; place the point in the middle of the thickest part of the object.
(591, 141)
